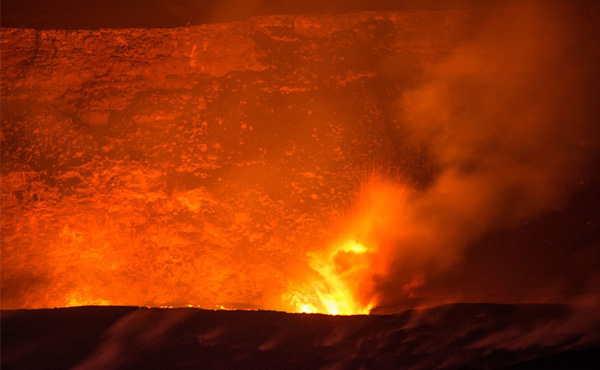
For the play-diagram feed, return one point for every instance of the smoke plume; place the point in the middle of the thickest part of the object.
(506, 120)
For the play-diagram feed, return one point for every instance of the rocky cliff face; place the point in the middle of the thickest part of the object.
(198, 165)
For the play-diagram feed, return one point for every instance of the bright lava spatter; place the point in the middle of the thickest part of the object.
(333, 291)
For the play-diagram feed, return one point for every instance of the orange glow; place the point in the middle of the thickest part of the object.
(333, 292)
(190, 166)
(344, 274)
(227, 166)
(76, 301)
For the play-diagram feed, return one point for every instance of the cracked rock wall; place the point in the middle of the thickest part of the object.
(198, 165)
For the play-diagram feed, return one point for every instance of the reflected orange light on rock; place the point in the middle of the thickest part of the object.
(194, 166)
(224, 165)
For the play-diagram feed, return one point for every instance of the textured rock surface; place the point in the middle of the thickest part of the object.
(196, 165)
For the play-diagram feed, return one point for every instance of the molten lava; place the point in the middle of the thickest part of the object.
(344, 276)
(339, 271)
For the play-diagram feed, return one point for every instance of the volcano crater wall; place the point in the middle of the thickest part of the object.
(198, 165)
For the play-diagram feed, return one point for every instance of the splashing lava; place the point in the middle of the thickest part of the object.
(332, 292)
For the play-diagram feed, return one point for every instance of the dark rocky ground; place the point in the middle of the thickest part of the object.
(458, 336)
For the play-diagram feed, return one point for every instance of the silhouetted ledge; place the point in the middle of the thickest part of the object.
(96, 14)
(465, 336)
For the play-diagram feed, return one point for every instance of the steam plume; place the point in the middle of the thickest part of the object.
(505, 120)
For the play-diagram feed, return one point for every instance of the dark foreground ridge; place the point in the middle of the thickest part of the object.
(457, 336)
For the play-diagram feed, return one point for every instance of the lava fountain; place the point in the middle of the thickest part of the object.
(345, 274)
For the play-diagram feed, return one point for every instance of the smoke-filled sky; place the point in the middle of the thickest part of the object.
(510, 120)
